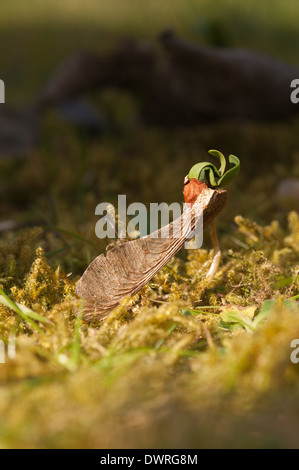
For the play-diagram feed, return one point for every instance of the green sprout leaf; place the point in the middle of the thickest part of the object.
(208, 173)
(205, 172)
(221, 157)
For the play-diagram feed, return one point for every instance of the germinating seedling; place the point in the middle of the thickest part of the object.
(125, 269)
(208, 173)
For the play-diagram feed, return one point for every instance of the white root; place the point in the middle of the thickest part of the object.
(217, 252)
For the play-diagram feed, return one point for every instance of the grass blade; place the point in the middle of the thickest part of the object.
(24, 312)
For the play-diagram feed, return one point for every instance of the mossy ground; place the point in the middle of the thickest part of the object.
(185, 363)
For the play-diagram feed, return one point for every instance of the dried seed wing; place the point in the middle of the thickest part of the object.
(128, 267)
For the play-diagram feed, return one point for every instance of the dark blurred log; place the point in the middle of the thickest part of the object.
(184, 83)
(219, 83)
(178, 83)
(131, 65)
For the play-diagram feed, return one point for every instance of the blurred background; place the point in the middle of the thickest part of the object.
(58, 162)
(97, 104)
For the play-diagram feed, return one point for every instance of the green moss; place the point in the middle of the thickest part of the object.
(43, 287)
(158, 358)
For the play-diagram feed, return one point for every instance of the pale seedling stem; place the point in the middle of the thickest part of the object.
(217, 252)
